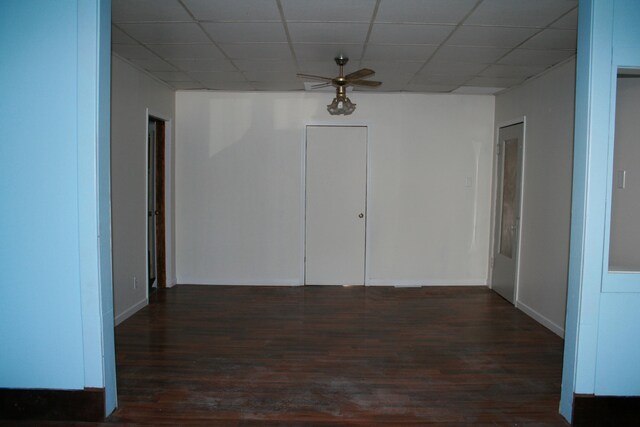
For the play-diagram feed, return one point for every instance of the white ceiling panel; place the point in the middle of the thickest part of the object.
(405, 67)
(187, 85)
(568, 21)
(454, 68)
(317, 32)
(246, 32)
(413, 45)
(278, 86)
(234, 10)
(421, 87)
(434, 79)
(409, 33)
(211, 65)
(131, 51)
(156, 33)
(120, 37)
(148, 11)
(328, 10)
(535, 57)
(172, 76)
(270, 76)
(187, 51)
(326, 52)
(519, 13)
(501, 82)
(225, 76)
(257, 50)
(510, 71)
(484, 55)
(154, 64)
(399, 52)
(424, 11)
(552, 39)
(265, 64)
(490, 36)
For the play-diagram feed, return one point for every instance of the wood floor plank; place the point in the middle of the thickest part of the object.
(260, 356)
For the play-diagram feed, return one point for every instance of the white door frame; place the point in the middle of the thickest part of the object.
(168, 197)
(303, 191)
(494, 198)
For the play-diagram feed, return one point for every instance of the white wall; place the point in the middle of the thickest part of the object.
(133, 92)
(239, 186)
(625, 233)
(548, 104)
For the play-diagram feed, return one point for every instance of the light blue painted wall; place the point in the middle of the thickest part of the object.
(56, 309)
(602, 344)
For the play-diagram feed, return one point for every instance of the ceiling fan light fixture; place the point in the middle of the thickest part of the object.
(341, 104)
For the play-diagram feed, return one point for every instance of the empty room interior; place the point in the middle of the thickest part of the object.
(299, 212)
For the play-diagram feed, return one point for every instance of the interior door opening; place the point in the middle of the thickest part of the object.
(156, 250)
(335, 205)
(507, 210)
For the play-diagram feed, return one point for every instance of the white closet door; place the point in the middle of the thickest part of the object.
(336, 188)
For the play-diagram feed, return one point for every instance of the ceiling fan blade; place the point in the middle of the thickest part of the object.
(312, 77)
(320, 85)
(370, 83)
(357, 75)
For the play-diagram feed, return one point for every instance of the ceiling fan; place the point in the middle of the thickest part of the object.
(341, 103)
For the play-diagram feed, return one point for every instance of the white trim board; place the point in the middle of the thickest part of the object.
(226, 282)
(426, 282)
(130, 311)
(544, 321)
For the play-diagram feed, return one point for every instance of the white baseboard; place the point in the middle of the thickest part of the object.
(172, 282)
(130, 311)
(421, 283)
(552, 326)
(217, 282)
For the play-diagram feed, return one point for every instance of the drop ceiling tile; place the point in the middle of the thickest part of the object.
(390, 67)
(214, 78)
(210, 65)
(328, 10)
(154, 64)
(120, 37)
(424, 11)
(552, 39)
(157, 33)
(387, 86)
(409, 33)
(265, 64)
(278, 86)
(326, 67)
(430, 88)
(454, 68)
(271, 76)
(485, 55)
(245, 32)
(148, 11)
(535, 57)
(568, 21)
(326, 52)
(172, 76)
(187, 51)
(231, 86)
(490, 36)
(234, 10)
(477, 90)
(512, 71)
(494, 81)
(519, 13)
(257, 50)
(333, 32)
(399, 52)
(187, 85)
(434, 79)
(131, 51)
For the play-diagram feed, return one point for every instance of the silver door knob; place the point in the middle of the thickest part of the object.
(361, 215)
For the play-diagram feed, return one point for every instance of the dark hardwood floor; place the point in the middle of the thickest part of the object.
(335, 356)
